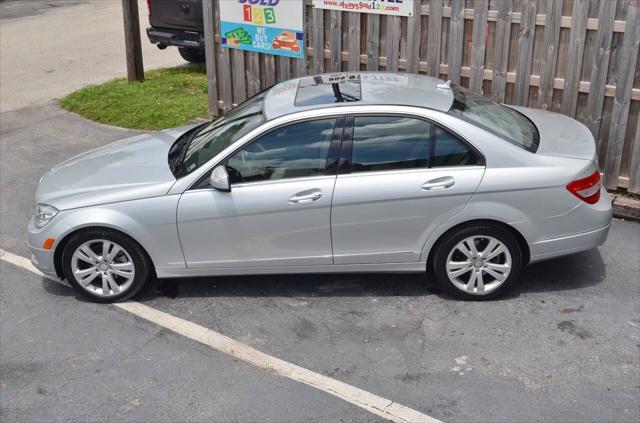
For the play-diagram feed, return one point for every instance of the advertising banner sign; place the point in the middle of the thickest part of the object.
(382, 7)
(264, 26)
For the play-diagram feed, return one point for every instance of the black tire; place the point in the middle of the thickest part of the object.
(449, 242)
(192, 55)
(143, 266)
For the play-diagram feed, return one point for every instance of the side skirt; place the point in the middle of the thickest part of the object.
(416, 267)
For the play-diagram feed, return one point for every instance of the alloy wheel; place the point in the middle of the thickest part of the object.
(103, 267)
(478, 264)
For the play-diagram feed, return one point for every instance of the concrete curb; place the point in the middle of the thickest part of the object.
(625, 207)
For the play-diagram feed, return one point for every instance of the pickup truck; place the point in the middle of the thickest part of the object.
(177, 23)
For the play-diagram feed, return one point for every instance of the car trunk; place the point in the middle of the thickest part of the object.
(560, 135)
(178, 14)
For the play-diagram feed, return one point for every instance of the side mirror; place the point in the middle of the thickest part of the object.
(219, 179)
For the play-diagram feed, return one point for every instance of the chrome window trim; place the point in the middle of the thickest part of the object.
(270, 182)
(414, 170)
(188, 181)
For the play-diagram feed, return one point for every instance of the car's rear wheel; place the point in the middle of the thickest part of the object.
(105, 266)
(192, 55)
(477, 262)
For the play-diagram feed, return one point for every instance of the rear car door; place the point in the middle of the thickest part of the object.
(400, 177)
(278, 210)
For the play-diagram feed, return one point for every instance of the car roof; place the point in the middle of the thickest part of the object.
(374, 88)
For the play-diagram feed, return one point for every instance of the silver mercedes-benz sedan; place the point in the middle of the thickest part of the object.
(368, 172)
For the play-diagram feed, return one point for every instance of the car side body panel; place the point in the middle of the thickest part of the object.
(543, 215)
(257, 224)
(386, 217)
(154, 231)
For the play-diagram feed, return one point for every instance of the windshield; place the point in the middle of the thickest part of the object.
(219, 134)
(500, 120)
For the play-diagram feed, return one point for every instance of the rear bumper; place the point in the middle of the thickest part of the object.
(583, 228)
(176, 37)
(557, 247)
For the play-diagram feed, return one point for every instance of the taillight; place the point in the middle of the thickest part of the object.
(149, 7)
(586, 189)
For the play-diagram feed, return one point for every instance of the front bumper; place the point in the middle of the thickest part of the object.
(176, 37)
(42, 259)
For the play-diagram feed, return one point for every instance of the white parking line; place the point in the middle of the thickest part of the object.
(356, 396)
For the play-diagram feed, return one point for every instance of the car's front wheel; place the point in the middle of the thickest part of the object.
(105, 266)
(477, 262)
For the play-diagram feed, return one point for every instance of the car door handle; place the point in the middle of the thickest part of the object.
(305, 197)
(439, 183)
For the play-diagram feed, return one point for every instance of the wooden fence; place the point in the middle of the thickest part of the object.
(577, 57)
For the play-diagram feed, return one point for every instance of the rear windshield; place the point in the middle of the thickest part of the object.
(493, 117)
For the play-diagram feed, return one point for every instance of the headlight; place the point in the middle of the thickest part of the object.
(44, 213)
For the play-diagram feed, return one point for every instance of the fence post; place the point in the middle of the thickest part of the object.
(208, 14)
(132, 43)
(434, 38)
(478, 46)
(501, 61)
(526, 38)
(625, 73)
(456, 41)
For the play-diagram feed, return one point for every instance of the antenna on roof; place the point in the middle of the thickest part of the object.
(446, 85)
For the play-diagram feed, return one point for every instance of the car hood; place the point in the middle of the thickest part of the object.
(129, 169)
(560, 135)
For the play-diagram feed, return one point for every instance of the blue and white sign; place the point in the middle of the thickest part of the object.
(264, 26)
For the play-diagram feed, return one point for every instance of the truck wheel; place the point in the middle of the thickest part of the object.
(192, 55)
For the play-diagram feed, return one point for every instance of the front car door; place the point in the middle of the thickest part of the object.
(400, 177)
(278, 210)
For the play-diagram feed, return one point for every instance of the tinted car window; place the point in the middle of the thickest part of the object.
(500, 120)
(448, 150)
(293, 151)
(217, 135)
(389, 143)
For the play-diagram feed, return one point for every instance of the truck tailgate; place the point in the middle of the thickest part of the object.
(179, 14)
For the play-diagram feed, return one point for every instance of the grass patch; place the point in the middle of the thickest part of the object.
(167, 98)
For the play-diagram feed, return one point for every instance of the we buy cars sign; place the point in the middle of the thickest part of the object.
(263, 26)
(382, 7)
